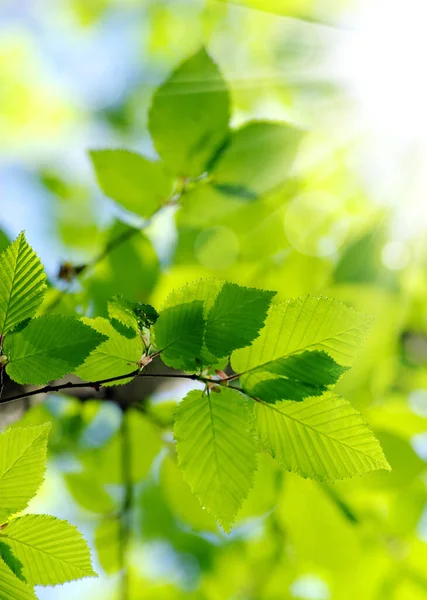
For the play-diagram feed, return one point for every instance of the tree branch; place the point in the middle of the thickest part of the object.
(96, 385)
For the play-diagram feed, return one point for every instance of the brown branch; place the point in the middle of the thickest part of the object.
(96, 385)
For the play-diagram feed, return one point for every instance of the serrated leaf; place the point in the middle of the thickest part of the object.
(305, 323)
(179, 335)
(22, 284)
(257, 158)
(187, 351)
(217, 450)
(323, 438)
(189, 114)
(138, 184)
(88, 492)
(14, 564)
(48, 348)
(22, 466)
(122, 310)
(51, 550)
(236, 318)
(12, 588)
(117, 355)
(298, 376)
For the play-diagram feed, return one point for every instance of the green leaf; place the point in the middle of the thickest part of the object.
(179, 335)
(189, 114)
(22, 284)
(298, 376)
(12, 588)
(12, 562)
(203, 322)
(123, 311)
(22, 466)
(51, 550)
(236, 318)
(116, 356)
(88, 492)
(135, 182)
(257, 158)
(323, 438)
(48, 348)
(217, 450)
(305, 323)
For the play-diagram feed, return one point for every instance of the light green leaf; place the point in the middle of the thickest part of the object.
(217, 450)
(305, 323)
(22, 284)
(116, 356)
(323, 438)
(107, 544)
(22, 466)
(189, 114)
(135, 182)
(179, 335)
(235, 318)
(298, 376)
(12, 588)
(123, 311)
(51, 550)
(88, 492)
(257, 159)
(48, 348)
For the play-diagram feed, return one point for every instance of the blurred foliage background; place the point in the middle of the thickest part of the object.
(350, 223)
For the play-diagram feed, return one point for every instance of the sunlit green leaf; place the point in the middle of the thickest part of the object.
(257, 158)
(12, 588)
(49, 347)
(217, 450)
(51, 551)
(22, 466)
(22, 284)
(189, 115)
(117, 355)
(323, 438)
(132, 180)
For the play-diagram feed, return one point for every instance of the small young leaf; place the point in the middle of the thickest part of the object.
(217, 450)
(117, 355)
(51, 551)
(48, 348)
(22, 284)
(12, 588)
(189, 115)
(322, 438)
(297, 377)
(132, 180)
(257, 159)
(22, 466)
(236, 318)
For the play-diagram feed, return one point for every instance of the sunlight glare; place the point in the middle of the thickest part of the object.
(386, 65)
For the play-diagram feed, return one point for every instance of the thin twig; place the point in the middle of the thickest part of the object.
(98, 384)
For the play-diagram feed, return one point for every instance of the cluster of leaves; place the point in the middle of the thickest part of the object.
(34, 549)
(286, 356)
